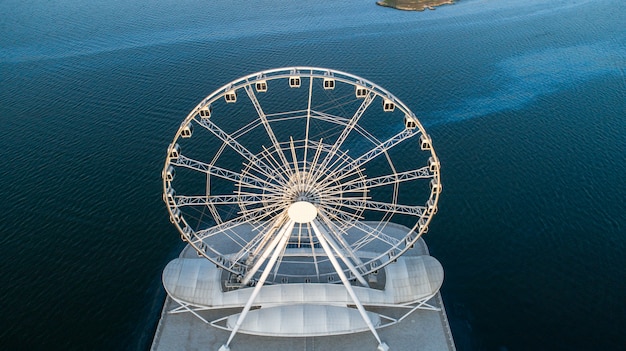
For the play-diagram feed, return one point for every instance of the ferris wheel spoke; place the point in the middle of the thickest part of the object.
(344, 218)
(246, 180)
(338, 205)
(250, 216)
(359, 184)
(265, 232)
(284, 167)
(308, 124)
(346, 131)
(245, 129)
(205, 200)
(343, 170)
(362, 204)
(310, 184)
(327, 117)
(259, 165)
(266, 124)
(285, 116)
(372, 234)
(201, 235)
(263, 213)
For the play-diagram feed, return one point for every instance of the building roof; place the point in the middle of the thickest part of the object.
(196, 281)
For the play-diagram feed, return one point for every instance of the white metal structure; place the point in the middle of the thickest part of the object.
(297, 181)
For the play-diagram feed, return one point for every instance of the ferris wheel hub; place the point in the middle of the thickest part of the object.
(302, 212)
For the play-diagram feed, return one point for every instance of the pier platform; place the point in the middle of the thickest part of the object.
(422, 330)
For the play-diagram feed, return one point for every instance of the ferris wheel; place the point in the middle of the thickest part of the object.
(312, 161)
(301, 175)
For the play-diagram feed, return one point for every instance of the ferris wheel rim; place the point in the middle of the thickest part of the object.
(246, 83)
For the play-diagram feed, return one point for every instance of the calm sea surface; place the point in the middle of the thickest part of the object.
(525, 101)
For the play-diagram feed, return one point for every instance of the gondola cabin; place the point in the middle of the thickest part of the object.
(169, 197)
(410, 122)
(185, 234)
(431, 208)
(261, 86)
(433, 164)
(425, 143)
(360, 92)
(294, 82)
(435, 186)
(423, 225)
(329, 84)
(175, 217)
(409, 242)
(230, 96)
(205, 112)
(388, 105)
(187, 130)
(169, 173)
(174, 151)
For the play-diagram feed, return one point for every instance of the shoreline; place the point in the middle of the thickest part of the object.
(413, 5)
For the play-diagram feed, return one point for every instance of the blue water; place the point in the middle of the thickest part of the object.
(525, 101)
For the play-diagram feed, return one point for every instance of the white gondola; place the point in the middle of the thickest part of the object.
(261, 86)
(169, 173)
(169, 197)
(205, 111)
(435, 186)
(409, 241)
(174, 151)
(185, 234)
(425, 143)
(329, 84)
(187, 130)
(423, 225)
(431, 208)
(360, 91)
(410, 122)
(202, 249)
(294, 82)
(230, 96)
(388, 105)
(433, 164)
(175, 217)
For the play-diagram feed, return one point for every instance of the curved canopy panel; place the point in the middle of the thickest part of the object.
(197, 282)
(303, 320)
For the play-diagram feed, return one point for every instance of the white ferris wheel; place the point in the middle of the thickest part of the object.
(296, 175)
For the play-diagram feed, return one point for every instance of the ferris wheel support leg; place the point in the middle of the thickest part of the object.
(266, 252)
(381, 345)
(284, 234)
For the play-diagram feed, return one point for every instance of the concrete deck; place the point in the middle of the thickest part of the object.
(421, 331)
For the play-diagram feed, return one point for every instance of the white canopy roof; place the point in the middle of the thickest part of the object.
(303, 320)
(196, 281)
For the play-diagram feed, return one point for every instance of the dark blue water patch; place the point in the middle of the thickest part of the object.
(529, 227)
